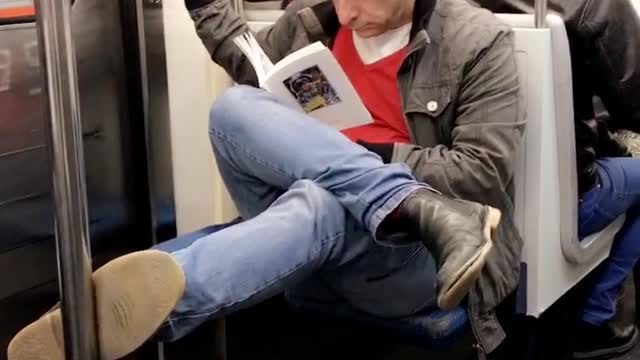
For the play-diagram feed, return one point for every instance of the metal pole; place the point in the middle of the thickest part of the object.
(541, 14)
(72, 237)
(135, 51)
(238, 6)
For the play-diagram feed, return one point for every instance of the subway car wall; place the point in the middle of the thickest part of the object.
(126, 211)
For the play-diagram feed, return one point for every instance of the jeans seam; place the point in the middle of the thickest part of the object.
(602, 212)
(252, 157)
(209, 312)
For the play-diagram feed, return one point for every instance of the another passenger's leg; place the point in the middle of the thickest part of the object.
(266, 144)
(600, 305)
(226, 271)
(618, 193)
(597, 337)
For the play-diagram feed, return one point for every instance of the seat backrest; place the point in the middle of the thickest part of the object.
(546, 177)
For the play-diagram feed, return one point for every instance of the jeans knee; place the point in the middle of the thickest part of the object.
(229, 111)
(324, 210)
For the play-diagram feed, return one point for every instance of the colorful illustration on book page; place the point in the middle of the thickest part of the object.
(311, 89)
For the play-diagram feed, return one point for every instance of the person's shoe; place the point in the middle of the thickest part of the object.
(603, 342)
(134, 295)
(458, 235)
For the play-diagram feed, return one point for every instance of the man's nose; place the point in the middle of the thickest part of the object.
(347, 12)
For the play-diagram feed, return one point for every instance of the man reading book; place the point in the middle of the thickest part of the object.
(391, 228)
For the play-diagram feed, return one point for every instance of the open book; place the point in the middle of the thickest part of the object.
(310, 78)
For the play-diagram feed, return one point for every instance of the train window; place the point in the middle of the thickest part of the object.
(16, 11)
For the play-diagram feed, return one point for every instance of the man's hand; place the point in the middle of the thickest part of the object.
(384, 150)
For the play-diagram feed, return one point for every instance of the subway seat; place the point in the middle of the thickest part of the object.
(546, 195)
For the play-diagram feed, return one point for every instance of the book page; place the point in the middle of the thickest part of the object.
(313, 80)
(256, 55)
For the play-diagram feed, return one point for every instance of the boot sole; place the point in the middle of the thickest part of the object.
(134, 295)
(470, 272)
(609, 352)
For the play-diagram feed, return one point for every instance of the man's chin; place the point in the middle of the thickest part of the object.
(368, 32)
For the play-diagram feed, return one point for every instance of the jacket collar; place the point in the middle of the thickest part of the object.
(422, 13)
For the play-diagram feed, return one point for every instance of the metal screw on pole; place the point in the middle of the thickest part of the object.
(238, 6)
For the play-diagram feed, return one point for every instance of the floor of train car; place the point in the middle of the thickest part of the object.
(270, 331)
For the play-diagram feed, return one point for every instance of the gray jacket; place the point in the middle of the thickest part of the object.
(461, 101)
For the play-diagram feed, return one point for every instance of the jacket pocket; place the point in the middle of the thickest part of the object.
(430, 100)
(429, 115)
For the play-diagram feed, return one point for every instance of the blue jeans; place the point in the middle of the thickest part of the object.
(312, 200)
(618, 192)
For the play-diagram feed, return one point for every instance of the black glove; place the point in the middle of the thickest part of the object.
(384, 150)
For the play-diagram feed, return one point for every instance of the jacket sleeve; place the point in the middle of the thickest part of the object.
(217, 24)
(489, 123)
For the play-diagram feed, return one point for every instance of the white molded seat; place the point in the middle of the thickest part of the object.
(259, 14)
(546, 204)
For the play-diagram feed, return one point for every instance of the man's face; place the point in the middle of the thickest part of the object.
(373, 17)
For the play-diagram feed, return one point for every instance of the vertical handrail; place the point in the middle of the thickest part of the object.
(69, 189)
(135, 50)
(238, 6)
(541, 14)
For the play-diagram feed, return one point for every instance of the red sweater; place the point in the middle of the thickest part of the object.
(376, 84)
